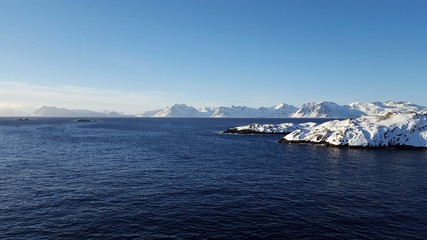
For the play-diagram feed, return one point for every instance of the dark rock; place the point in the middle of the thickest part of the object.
(82, 120)
(397, 147)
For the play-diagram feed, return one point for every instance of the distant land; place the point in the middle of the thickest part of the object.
(63, 112)
(308, 110)
(46, 111)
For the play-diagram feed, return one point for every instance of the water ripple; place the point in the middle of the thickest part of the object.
(181, 179)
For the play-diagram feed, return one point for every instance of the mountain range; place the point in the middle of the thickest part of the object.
(183, 110)
(308, 110)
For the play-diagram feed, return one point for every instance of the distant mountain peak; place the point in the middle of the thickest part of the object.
(178, 110)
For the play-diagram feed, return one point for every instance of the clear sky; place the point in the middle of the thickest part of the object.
(141, 55)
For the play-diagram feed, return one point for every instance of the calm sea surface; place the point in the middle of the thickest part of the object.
(183, 179)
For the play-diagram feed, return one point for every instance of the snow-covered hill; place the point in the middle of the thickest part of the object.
(326, 110)
(46, 111)
(392, 129)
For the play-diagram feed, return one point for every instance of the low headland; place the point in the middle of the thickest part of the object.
(388, 130)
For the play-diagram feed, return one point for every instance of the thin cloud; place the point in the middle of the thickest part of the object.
(28, 95)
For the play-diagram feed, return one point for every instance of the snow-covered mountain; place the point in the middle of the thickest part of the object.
(282, 110)
(308, 110)
(353, 110)
(326, 110)
(46, 111)
(178, 110)
(367, 108)
(149, 113)
(392, 129)
(389, 106)
(235, 112)
(403, 107)
(182, 110)
(279, 111)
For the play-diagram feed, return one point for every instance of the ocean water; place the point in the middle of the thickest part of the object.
(183, 179)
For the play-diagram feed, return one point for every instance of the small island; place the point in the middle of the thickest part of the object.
(386, 130)
(82, 120)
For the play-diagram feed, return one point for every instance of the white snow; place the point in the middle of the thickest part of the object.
(272, 128)
(385, 130)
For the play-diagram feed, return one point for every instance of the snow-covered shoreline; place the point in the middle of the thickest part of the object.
(387, 130)
(282, 128)
(391, 130)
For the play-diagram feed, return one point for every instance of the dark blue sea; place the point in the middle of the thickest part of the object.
(183, 179)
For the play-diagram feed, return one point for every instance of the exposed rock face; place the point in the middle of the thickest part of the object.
(390, 130)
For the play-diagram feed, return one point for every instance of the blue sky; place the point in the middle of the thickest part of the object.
(141, 55)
